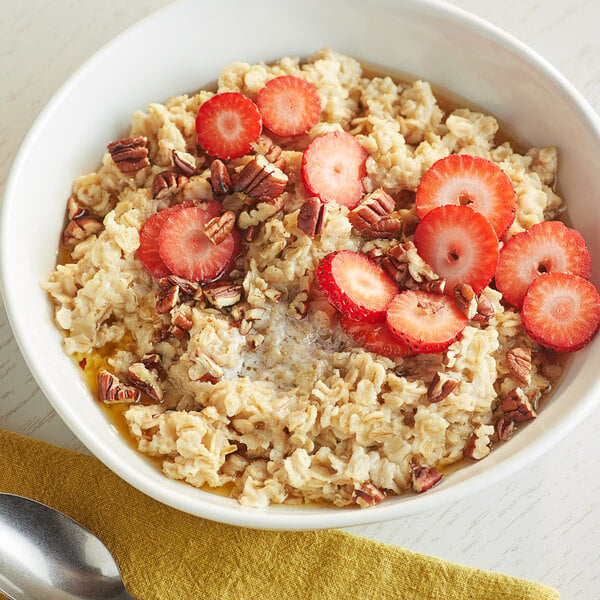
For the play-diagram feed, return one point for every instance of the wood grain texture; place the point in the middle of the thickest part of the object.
(543, 522)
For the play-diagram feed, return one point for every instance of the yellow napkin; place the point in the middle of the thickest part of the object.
(165, 554)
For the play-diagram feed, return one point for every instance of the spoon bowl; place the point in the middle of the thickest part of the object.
(46, 555)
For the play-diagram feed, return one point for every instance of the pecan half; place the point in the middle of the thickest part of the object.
(218, 228)
(222, 295)
(311, 217)
(424, 478)
(479, 444)
(368, 495)
(517, 407)
(387, 228)
(146, 380)
(465, 299)
(260, 179)
(504, 428)
(485, 310)
(441, 386)
(219, 177)
(184, 162)
(81, 228)
(518, 361)
(168, 184)
(112, 391)
(371, 209)
(130, 154)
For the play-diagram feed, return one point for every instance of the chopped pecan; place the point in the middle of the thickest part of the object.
(81, 228)
(371, 209)
(186, 287)
(221, 295)
(311, 217)
(255, 340)
(504, 428)
(424, 478)
(517, 407)
(112, 391)
(168, 184)
(203, 365)
(518, 361)
(397, 271)
(485, 310)
(153, 362)
(184, 162)
(162, 333)
(167, 299)
(260, 179)
(298, 307)
(465, 300)
(368, 495)
(219, 177)
(441, 386)
(265, 146)
(435, 286)
(74, 210)
(479, 444)
(177, 332)
(146, 380)
(181, 317)
(218, 228)
(130, 154)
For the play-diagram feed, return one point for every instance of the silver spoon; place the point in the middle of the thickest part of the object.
(45, 555)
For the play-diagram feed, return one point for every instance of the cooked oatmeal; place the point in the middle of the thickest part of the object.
(263, 390)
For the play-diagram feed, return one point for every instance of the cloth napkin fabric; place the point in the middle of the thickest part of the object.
(165, 554)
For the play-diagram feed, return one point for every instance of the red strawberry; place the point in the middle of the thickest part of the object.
(374, 337)
(212, 207)
(425, 321)
(469, 181)
(187, 251)
(458, 244)
(355, 285)
(548, 247)
(333, 167)
(227, 124)
(561, 311)
(148, 252)
(289, 105)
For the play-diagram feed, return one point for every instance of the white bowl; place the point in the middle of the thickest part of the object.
(182, 48)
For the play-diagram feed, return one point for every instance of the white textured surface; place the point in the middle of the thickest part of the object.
(543, 523)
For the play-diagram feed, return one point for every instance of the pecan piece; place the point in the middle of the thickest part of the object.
(218, 228)
(441, 386)
(187, 287)
(81, 228)
(153, 362)
(387, 228)
(371, 209)
(255, 340)
(517, 407)
(260, 179)
(181, 318)
(368, 495)
(74, 210)
(219, 177)
(222, 295)
(397, 271)
(203, 365)
(184, 162)
(518, 361)
(168, 184)
(479, 444)
(435, 286)
(424, 478)
(504, 428)
(112, 391)
(130, 154)
(485, 310)
(311, 217)
(465, 299)
(167, 299)
(145, 380)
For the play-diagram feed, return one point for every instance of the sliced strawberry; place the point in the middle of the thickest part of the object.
(425, 321)
(355, 285)
(289, 105)
(333, 167)
(227, 124)
(374, 337)
(458, 244)
(548, 247)
(461, 179)
(148, 251)
(187, 251)
(561, 311)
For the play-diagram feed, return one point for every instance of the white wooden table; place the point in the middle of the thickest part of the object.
(544, 522)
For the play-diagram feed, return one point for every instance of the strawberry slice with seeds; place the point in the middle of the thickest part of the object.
(227, 124)
(459, 244)
(424, 321)
(333, 167)
(374, 337)
(355, 285)
(148, 251)
(187, 251)
(548, 247)
(561, 311)
(289, 105)
(461, 179)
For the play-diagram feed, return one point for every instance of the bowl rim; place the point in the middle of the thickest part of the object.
(275, 517)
